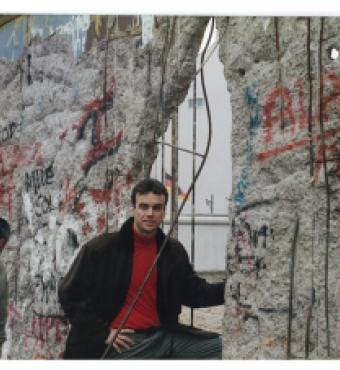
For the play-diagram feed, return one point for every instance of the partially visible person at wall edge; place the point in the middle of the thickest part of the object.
(4, 236)
(97, 292)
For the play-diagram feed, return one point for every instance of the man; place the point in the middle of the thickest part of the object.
(4, 236)
(103, 280)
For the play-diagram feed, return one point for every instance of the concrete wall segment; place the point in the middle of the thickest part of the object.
(279, 308)
(76, 133)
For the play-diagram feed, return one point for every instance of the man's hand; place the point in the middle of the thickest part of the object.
(122, 342)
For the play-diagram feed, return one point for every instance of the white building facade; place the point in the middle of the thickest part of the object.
(209, 212)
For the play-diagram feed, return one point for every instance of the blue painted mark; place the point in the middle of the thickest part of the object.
(255, 121)
(250, 96)
(241, 186)
(12, 37)
(255, 117)
(12, 34)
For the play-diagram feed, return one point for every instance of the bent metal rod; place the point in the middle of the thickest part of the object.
(175, 221)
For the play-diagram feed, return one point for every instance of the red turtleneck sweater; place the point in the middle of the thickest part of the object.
(144, 315)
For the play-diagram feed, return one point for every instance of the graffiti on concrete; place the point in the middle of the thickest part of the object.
(13, 313)
(42, 205)
(296, 120)
(77, 196)
(39, 177)
(41, 332)
(93, 115)
(255, 121)
(284, 109)
(45, 288)
(6, 197)
(38, 199)
(250, 245)
(279, 97)
(246, 264)
(14, 157)
(9, 131)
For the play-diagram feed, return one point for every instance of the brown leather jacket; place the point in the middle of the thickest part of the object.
(93, 291)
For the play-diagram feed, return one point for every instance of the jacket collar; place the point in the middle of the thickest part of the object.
(127, 233)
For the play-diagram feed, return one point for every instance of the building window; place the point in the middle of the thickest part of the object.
(199, 103)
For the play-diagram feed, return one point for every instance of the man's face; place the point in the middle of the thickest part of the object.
(148, 213)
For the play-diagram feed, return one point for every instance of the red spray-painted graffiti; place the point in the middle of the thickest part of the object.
(99, 151)
(93, 114)
(41, 327)
(110, 193)
(294, 144)
(101, 223)
(69, 195)
(14, 157)
(86, 228)
(275, 98)
(101, 195)
(283, 97)
(279, 108)
(13, 313)
(42, 333)
(6, 197)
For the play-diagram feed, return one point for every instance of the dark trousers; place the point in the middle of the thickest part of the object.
(161, 344)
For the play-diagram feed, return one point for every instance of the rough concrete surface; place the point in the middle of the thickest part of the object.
(77, 133)
(75, 136)
(282, 269)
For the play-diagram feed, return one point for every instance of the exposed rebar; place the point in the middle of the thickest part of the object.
(328, 206)
(278, 59)
(311, 173)
(291, 288)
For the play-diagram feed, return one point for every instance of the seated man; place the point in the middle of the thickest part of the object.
(102, 282)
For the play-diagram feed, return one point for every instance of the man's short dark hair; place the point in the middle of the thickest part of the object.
(149, 186)
(5, 229)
